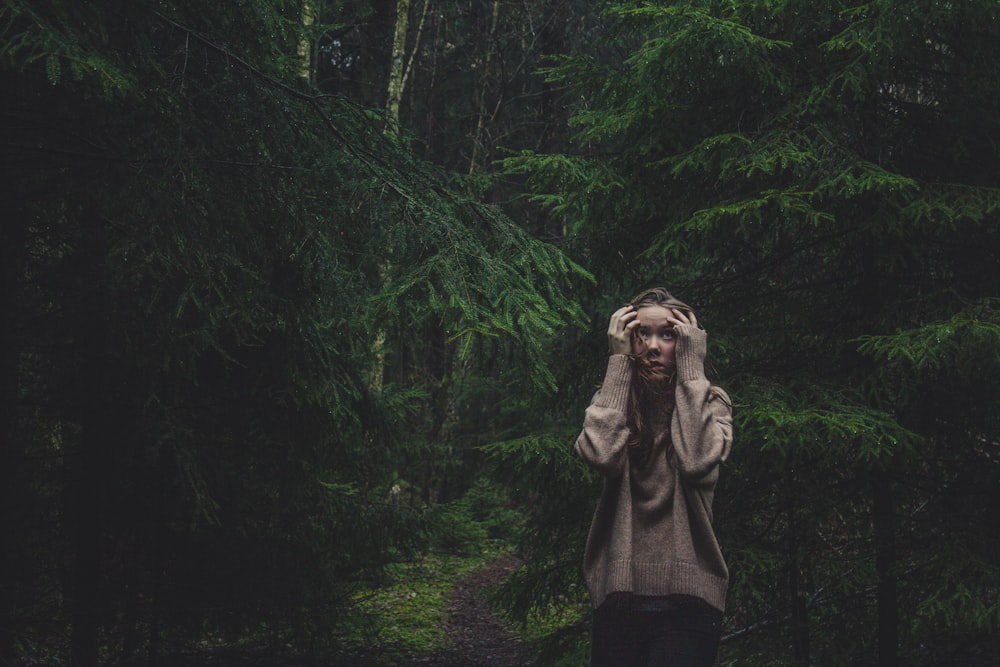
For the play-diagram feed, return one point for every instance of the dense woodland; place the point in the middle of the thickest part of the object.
(284, 280)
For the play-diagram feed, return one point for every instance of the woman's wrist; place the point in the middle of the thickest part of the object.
(617, 378)
(692, 344)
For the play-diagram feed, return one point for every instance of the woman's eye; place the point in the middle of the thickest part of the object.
(643, 334)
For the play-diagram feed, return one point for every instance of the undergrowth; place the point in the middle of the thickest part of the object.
(404, 615)
(407, 614)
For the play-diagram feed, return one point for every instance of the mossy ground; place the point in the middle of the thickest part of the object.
(408, 614)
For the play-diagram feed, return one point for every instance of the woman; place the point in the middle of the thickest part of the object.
(657, 431)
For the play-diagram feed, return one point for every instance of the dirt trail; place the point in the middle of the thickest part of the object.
(480, 638)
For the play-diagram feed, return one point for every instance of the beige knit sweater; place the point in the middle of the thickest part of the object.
(652, 532)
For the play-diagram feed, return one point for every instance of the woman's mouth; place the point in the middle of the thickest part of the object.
(661, 368)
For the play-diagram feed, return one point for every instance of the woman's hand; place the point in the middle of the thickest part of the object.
(677, 316)
(623, 321)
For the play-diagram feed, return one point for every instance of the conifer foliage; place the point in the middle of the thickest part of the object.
(254, 347)
(199, 250)
(820, 180)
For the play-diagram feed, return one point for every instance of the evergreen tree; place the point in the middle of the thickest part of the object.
(192, 241)
(819, 180)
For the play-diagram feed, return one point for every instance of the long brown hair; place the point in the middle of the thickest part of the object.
(644, 394)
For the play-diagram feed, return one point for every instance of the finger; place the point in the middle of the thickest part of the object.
(693, 320)
(623, 311)
(620, 329)
(675, 316)
(623, 316)
(684, 317)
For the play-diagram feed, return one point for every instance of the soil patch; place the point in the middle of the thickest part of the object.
(479, 638)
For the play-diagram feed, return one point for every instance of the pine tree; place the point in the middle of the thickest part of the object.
(197, 234)
(819, 179)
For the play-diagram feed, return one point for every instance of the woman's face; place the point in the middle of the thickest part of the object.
(654, 339)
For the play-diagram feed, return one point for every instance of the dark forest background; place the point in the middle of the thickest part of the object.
(284, 280)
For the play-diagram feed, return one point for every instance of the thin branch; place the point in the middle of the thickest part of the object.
(366, 158)
(416, 45)
(374, 163)
(104, 157)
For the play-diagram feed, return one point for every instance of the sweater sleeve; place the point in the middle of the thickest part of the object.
(702, 426)
(603, 442)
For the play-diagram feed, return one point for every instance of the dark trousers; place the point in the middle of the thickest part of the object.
(683, 633)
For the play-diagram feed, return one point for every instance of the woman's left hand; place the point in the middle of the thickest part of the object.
(678, 316)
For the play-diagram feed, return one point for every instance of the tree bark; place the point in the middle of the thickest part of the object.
(374, 61)
(394, 95)
(401, 67)
(307, 63)
(398, 73)
(11, 445)
(477, 137)
(397, 69)
(884, 519)
(799, 611)
(90, 387)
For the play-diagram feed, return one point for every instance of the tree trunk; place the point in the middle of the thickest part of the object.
(884, 519)
(398, 73)
(434, 147)
(800, 614)
(883, 507)
(394, 94)
(396, 69)
(376, 32)
(481, 113)
(11, 445)
(158, 540)
(91, 385)
(554, 135)
(401, 67)
(307, 63)
(441, 365)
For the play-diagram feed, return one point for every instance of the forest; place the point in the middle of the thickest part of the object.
(299, 294)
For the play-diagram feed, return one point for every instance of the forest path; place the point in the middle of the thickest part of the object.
(480, 638)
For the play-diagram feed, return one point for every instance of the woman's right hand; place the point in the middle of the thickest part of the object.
(623, 321)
